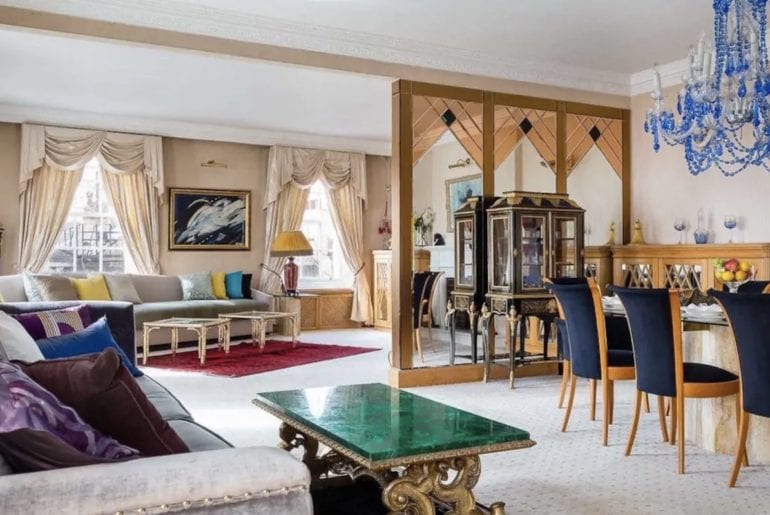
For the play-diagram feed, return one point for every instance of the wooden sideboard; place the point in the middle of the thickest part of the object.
(682, 266)
(383, 270)
(597, 264)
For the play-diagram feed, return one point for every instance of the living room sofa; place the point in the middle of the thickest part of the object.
(213, 478)
(162, 297)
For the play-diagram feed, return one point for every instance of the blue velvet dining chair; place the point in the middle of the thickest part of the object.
(426, 304)
(562, 340)
(747, 315)
(590, 358)
(751, 287)
(419, 285)
(655, 320)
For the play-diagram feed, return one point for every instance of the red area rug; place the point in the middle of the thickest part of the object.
(245, 359)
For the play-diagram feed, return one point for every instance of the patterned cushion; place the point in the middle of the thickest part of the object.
(122, 288)
(15, 342)
(197, 286)
(218, 285)
(92, 288)
(234, 285)
(29, 410)
(30, 288)
(56, 322)
(54, 288)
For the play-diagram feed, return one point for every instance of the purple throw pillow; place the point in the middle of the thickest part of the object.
(26, 405)
(56, 322)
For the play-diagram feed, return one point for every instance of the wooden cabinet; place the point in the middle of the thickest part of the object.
(597, 264)
(383, 267)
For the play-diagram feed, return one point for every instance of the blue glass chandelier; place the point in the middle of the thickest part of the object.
(724, 114)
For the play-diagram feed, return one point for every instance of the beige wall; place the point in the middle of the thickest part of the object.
(10, 144)
(182, 158)
(663, 189)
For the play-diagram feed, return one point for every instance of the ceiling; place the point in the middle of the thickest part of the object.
(600, 45)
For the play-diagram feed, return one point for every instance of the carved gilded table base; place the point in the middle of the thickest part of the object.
(412, 489)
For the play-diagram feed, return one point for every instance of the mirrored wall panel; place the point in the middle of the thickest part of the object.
(595, 172)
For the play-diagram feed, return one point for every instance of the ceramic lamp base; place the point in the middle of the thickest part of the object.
(290, 276)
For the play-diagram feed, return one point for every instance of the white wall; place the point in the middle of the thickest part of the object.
(662, 189)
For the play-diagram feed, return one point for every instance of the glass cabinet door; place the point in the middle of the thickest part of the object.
(565, 246)
(501, 247)
(533, 232)
(464, 251)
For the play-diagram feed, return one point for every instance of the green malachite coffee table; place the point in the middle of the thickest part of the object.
(408, 443)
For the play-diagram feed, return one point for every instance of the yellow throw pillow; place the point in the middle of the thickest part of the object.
(92, 288)
(218, 285)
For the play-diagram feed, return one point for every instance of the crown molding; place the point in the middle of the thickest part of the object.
(188, 130)
(202, 20)
(670, 75)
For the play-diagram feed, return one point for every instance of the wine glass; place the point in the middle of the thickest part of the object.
(731, 222)
(679, 226)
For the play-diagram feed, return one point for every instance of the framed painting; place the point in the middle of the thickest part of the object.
(457, 191)
(202, 219)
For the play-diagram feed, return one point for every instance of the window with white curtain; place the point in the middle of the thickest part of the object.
(326, 268)
(91, 239)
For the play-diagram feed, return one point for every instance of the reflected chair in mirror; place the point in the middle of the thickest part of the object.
(655, 319)
(747, 315)
(590, 358)
(419, 286)
(426, 304)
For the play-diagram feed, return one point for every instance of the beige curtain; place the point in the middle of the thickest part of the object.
(132, 168)
(136, 206)
(45, 204)
(285, 214)
(298, 169)
(348, 218)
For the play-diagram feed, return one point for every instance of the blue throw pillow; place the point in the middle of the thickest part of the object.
(234, 285)
(91, 340)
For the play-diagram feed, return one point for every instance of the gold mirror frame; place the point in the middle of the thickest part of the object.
(401, 373)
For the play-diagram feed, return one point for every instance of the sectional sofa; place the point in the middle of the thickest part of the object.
(162, 297)
(213, 478)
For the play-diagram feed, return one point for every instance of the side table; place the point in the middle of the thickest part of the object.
(290, 304)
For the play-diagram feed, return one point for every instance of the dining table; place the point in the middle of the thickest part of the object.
(711, 423)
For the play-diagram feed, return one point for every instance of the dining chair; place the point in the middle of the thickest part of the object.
(562, 340)
(426, 304)
(747, 316)
(655, 320)
(419, 283)
(590, 358)
(752, 287)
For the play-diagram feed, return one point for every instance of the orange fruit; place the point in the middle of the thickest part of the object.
(745, 266)
(728, 276)
(741, 275)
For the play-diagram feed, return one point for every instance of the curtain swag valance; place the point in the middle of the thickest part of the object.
(70, 150)
(302, 167)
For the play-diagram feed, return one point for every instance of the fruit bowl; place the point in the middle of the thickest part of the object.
(733, 273)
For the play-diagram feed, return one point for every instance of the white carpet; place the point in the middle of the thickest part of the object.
(564, 473)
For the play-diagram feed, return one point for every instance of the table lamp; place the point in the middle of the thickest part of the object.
(290, 244)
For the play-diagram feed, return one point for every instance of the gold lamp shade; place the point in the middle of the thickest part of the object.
(289, 244)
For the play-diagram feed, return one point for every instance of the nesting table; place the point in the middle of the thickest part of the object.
(259, 320)
(198, 325)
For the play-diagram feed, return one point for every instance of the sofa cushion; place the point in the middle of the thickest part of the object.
(12, 288)
(38, 432)
(122, 288)
(157, 288)
(234, 285)
(105, 394)
(218, 285)
(246, 286)
(91, 288)
(93, 339)
(15, 341)
(164, 401)
(197, 437)
(53, 288)
(197, 286)
(55, 322)
(31, 290)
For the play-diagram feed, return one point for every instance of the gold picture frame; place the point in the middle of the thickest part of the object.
(209, 219)
(457, 191)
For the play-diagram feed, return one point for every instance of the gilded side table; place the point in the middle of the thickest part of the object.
(259, 320)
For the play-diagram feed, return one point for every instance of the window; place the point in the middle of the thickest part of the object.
(91, 240)
(326, 268)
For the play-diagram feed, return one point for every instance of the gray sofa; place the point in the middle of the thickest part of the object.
(162, 298)
(213, 478)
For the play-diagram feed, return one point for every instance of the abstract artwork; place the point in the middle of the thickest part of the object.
(208, 219)
(457, 191)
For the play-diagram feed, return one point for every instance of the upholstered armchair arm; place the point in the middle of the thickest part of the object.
(264, 297)
(239, 480)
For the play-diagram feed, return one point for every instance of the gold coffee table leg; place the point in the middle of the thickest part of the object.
(420, 483)
(145, 343)
(227, 337)
(202, 345)
(174, 340)
(254, 331)
(262, 324)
